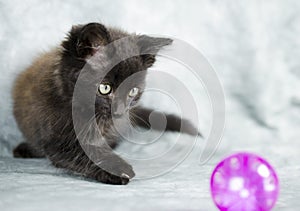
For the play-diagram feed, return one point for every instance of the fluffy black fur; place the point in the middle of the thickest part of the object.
(45, 117)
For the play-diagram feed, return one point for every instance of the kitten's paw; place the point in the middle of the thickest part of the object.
(115, 165)
(116, 180)
(117, 171)
(24, 150)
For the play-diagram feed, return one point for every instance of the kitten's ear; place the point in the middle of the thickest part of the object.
(85, 40)
(151, 45)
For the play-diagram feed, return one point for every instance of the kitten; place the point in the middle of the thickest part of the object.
(43, 103)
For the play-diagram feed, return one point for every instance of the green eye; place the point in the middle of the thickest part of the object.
(133, 92)
(104, 89)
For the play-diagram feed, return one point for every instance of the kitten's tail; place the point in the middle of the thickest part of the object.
(141, 115)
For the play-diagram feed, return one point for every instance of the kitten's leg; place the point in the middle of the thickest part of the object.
(25, 150)
(111, 168)
(174, 123)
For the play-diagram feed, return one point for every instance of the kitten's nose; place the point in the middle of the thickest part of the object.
(119, 109)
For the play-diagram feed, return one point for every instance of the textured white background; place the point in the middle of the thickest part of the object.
(254, 47)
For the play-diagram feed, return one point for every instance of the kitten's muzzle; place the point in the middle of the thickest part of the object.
(118, 109)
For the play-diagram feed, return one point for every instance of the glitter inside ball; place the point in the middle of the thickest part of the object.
(244, 182)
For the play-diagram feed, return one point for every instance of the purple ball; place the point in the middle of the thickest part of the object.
(244, 182)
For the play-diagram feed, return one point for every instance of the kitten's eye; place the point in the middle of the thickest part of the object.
(133, 92)
(104, 89)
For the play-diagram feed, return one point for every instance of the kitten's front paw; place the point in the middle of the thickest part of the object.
(113, 179)
(117, 171)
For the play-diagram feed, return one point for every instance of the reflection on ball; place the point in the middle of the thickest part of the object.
(244, 182)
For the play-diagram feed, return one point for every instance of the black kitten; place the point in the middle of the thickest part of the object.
(43, 102)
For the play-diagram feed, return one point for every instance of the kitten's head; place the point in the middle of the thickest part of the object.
(84, 41)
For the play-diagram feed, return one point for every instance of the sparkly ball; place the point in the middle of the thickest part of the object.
(244, 182)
